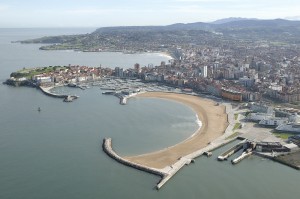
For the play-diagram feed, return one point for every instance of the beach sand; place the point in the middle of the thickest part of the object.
(214, 124)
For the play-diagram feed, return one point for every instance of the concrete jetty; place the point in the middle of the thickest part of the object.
(173, 169)
(241, 157)
(231, 151)
(123, 100)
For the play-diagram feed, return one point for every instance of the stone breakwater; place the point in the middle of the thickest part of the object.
(67, 98)
(46, 91)
(107, 148)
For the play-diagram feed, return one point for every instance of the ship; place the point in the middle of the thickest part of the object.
(109, 92)
(72, 85)
(293, 127)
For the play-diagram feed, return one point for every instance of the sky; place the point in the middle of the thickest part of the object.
(100, 13)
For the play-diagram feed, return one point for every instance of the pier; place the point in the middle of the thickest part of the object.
(241, 157)
(123, 100)
(231, 151)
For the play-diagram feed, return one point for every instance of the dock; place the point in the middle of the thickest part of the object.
(231, 151)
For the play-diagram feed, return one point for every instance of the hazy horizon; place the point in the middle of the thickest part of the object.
(96, 27)
(100, 13)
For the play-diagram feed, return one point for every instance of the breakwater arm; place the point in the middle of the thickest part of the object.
(107, 148)
(68, 98)
(46, 90)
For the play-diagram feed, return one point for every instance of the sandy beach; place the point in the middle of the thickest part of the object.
(214, 123)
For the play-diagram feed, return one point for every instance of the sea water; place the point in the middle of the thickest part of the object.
(56, 153)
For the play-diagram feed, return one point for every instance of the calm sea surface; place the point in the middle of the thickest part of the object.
(56, 153)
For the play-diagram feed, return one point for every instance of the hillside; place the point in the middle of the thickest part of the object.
(154, 38)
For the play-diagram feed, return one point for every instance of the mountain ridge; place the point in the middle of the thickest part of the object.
(220, 24)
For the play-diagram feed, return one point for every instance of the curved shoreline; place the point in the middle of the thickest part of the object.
(198, 121)
(208, 113)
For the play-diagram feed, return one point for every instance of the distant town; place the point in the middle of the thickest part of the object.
(244, 73)
(245, 60)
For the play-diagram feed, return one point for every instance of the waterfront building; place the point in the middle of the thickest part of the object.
(256, 117)
(204, 71)
(273, 122)
(261, 108)
(293, 127)
(246, 81)
(269, 147)
(231, 95)
(119, 72)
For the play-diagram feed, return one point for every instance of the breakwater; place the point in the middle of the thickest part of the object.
(168, 172)
(107, 148)
(46, 90)
(68, 98)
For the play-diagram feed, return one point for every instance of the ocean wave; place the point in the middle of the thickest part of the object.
(198, 121)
